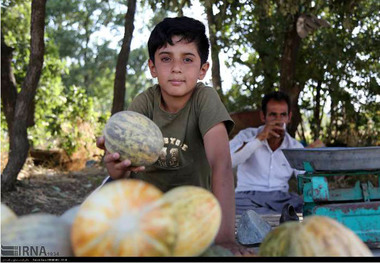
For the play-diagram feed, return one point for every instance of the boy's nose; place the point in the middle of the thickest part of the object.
(176, 68)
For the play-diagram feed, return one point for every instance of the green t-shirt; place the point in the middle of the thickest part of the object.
(183, 159)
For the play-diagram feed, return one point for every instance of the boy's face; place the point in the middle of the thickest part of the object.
(178, 68)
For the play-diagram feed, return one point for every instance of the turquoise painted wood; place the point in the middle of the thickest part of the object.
(358, 207)
(362, 218)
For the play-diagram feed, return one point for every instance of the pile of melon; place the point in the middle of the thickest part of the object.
(134, 218)
(123, 218)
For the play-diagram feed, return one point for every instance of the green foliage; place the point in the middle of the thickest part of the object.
(252, 35)
(341, 62)
(4, 143)
(342, 58)
(63, 122)
(73, 25)
(137, 80)
(59, 110)
(15, 26)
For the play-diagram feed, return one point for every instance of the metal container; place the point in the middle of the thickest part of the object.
(335, 158)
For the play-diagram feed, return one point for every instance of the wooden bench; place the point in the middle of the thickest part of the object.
(272, 219)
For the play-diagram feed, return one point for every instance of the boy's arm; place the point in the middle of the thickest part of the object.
(222, 182)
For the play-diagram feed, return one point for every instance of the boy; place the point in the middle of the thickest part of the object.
(192, 118)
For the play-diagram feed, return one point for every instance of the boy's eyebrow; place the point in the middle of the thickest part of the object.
(168, 53)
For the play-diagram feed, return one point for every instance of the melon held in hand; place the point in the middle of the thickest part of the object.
(134, 136)
(124, 218)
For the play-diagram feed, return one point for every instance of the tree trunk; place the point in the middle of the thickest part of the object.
(215, 69)
(8, 84)
(18, 137)
(288, 71)
(265, 54)
(122, 60)
(317, 112)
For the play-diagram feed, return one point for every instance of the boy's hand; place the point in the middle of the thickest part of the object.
(117, 169)
(237, 249)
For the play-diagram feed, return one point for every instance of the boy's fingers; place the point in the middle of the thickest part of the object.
(100, 142)
(111, 157)
(137, 169)
(123, 165)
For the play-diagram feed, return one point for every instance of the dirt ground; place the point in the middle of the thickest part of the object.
(51, 190)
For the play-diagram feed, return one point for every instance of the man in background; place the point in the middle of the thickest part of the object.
(262, 169)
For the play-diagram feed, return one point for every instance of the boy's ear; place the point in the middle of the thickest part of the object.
(152, 68)
(203, 71)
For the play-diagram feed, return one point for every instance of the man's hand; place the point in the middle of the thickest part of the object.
(272, 129)
(237, 249)
(117, 169)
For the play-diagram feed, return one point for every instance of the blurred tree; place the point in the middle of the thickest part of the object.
(336, 63)
(22, 102)
(59, 111)
(122, 61)
(138, 81)
(215, 23)
(339, 66)
(74, 27)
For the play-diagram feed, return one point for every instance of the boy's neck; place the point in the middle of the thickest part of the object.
(172, 104)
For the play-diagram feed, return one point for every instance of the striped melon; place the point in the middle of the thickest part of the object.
(134, 137)
(315, 236)
(198, 215)
(124, 218)
(7, 215)
(38, 235)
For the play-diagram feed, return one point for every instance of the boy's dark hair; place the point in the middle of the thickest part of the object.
(190, 29)
(277, 96)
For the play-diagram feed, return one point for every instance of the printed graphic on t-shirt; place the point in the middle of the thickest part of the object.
(170, 153)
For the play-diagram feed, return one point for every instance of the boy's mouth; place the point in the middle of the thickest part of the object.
(176, 81)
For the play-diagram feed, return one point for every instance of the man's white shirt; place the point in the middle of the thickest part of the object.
(258, 167)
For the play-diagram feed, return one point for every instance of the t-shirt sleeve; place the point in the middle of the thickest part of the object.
(211, 110)
(143, 103)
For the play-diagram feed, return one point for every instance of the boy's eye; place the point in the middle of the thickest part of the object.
(188, 60)
(165, 59)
